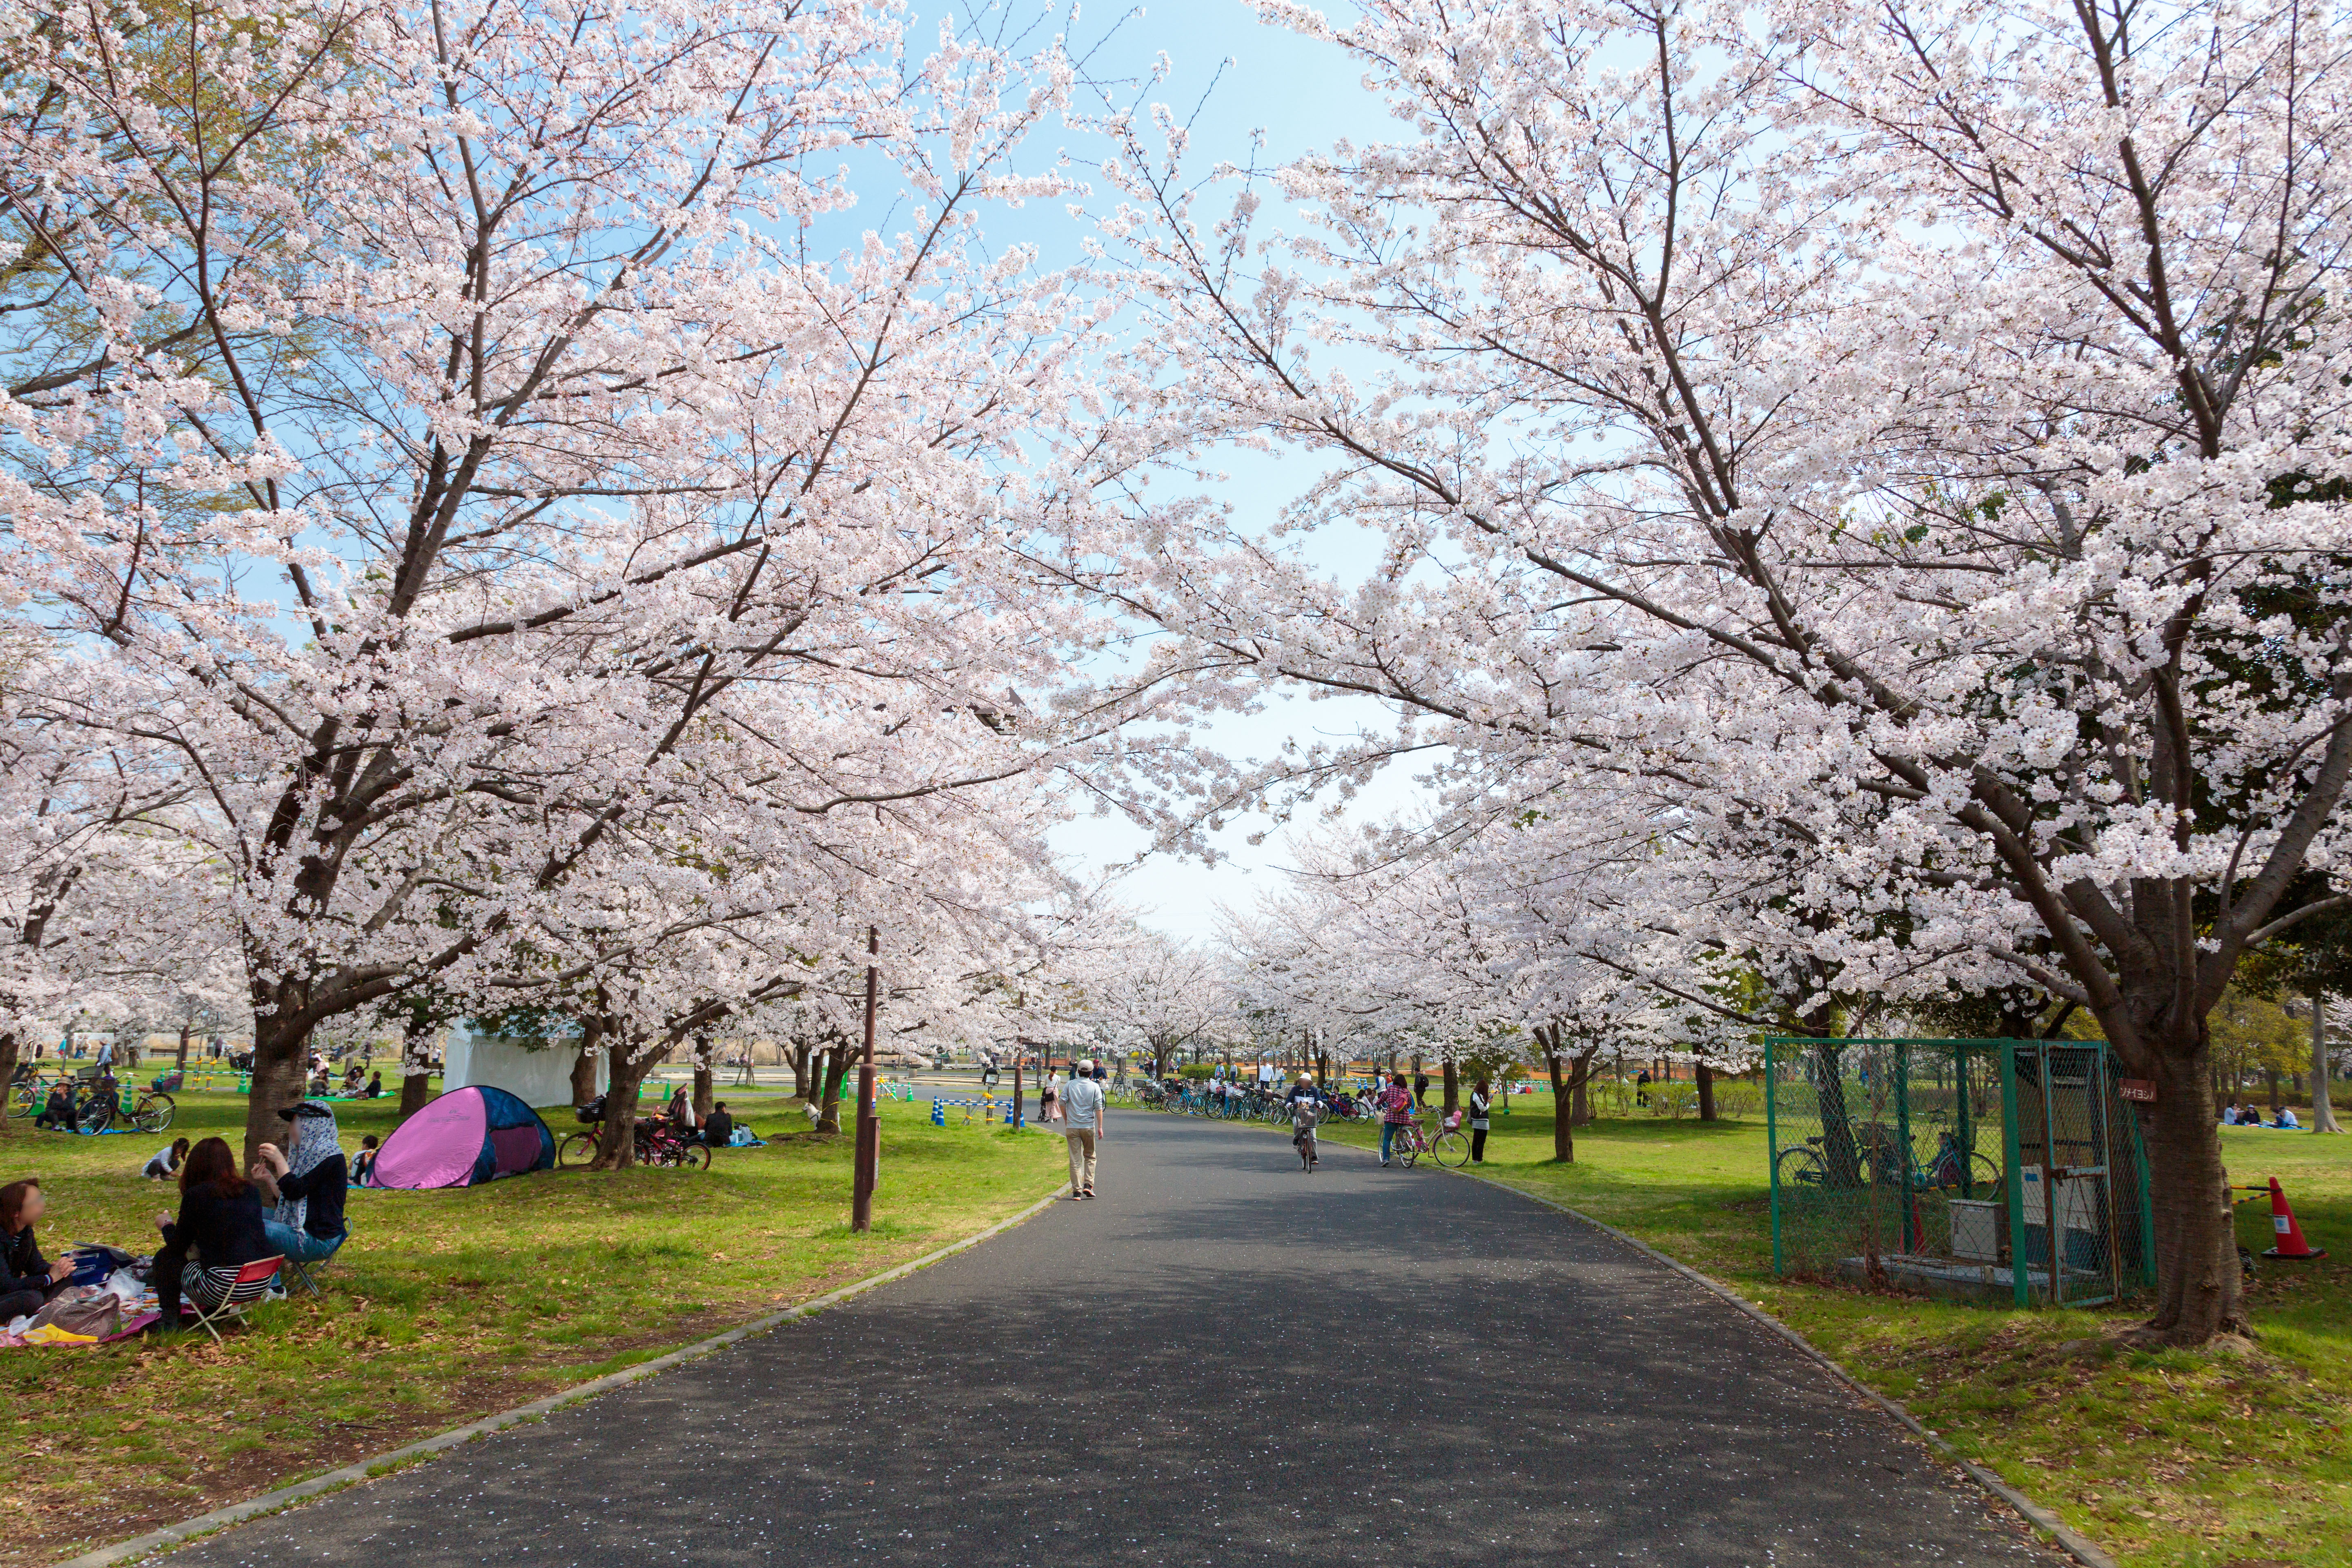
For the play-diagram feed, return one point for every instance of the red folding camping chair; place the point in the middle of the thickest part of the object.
(239, 1287)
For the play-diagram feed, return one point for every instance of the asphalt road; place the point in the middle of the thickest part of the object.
(1220, 1361)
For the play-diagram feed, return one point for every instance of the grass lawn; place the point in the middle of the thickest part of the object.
(446, 1306)
(2171, 1458)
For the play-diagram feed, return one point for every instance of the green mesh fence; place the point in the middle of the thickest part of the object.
(1949, 1166)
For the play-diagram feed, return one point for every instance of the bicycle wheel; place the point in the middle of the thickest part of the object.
(576, 1150)
(1450, 1150)
(1798, 1167)
(25, 1099)
(153, 1111)
(1984, 1174)
(1407, 1152)
(692, 1156)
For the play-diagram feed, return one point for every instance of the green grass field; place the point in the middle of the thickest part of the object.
(2169, 1460)
(449, 1305)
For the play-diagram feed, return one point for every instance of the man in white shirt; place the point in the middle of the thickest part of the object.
(1082, 1109)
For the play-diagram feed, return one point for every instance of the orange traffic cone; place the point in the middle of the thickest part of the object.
(2291, 1243)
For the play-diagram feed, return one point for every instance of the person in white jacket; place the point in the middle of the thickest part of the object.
(1082, 1109)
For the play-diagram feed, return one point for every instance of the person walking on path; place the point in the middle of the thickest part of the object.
(1082, 1108)
(1396, 1107)
(1642, 1087)
(1481, 1100)
(1420, 1088)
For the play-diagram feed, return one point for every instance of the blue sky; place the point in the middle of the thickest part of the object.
(1300, 94)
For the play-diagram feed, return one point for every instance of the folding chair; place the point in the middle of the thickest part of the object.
(301, 1268)
(239, 1287)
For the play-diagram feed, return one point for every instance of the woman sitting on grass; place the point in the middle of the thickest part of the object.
(219, 1223)
(165, 1164)
(26, 1279)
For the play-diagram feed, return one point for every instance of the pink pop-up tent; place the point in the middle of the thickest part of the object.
(468, 1136)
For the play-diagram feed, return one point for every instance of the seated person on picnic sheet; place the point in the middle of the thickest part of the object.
(718, 1127)
(2286, 1119)
(26, 1279)
(374, 1090)
(165, 1164)
(219, 1223)
(58, 1111)
(364, 1161)
(306, 1184)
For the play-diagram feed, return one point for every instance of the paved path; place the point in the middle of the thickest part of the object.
(1220, 1361)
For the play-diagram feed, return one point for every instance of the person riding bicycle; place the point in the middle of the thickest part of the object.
(1396, 1110)
(1306, 1111)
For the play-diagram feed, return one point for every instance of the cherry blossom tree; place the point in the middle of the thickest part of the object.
(500, 443)
(1908, 441)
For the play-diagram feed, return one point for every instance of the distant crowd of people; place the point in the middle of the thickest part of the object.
(2245, 1115)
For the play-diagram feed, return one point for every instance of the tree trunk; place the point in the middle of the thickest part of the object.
(185, 1030)
(616, 1135)
(2322, 1114)
(583, 1067)
(703, 1092)
(836, 1068)
(1580, 1112)
(1563, 1112)
(801, 1053)
(279, 1080)
(8, 1053)
(415, 1069)
(1703, 1076)
(1452, 1087)
(2196, 1241)
(2271, 1077)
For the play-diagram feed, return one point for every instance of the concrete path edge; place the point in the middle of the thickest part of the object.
(187, 1530)
(2076, 1545)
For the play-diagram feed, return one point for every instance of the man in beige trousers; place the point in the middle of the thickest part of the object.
(1082, 1111)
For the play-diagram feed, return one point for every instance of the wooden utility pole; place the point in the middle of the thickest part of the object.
(869, 1124)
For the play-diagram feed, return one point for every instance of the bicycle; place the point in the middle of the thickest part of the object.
(1880, 1157)
(1449, 1148)
(1408, 1144)
(30, 1087)
(656, 1143)
(141, 1110)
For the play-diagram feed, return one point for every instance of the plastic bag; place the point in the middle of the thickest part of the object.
(81, 1309)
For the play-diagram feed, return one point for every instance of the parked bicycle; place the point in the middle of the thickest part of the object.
(657, 1142)
(1879, 1156)
(143, 1110)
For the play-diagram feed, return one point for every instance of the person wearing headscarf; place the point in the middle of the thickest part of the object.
(307, 1181)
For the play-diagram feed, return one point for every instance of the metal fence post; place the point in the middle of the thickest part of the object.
(1773, 1141)
(1903, 1136)
(2013, 1173)
(1968, 1132)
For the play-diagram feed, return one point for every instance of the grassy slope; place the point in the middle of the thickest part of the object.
(2170, 1459)
(446, 1306)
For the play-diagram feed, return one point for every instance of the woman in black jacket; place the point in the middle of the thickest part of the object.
(220, 1223)
(26, 1279)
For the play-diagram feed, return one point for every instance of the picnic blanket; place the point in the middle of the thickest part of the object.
(86, 1314)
